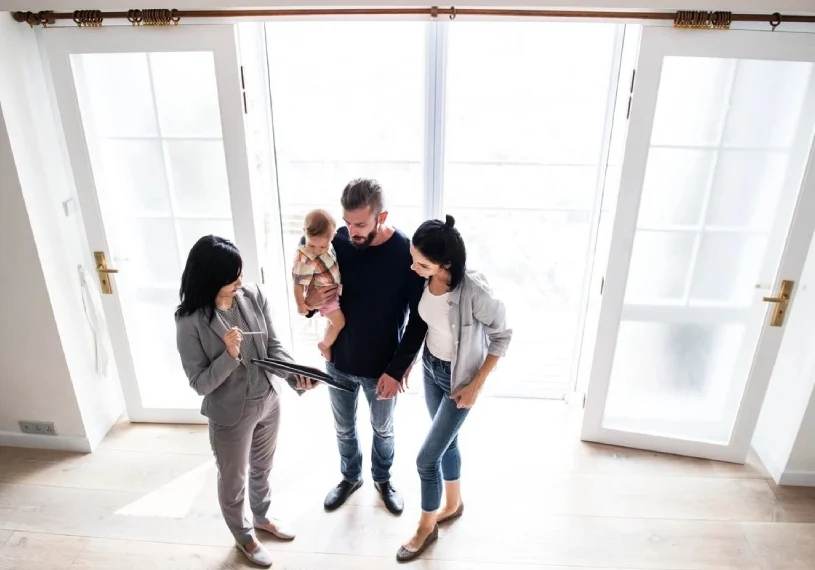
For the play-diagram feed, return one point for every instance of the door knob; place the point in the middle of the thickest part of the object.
(781, 301)
(104, 271)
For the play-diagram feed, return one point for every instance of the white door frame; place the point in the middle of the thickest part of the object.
(59, 44)
(658, 42)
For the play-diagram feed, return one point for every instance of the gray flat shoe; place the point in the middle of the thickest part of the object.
(405, 555)
(452, 516)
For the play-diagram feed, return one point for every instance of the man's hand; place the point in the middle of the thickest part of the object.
(304, 383)
(318, 298)
(387, 387)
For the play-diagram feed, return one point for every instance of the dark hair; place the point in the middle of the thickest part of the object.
(442, 244)
(362, 192)
(319, 223)
(212, 263)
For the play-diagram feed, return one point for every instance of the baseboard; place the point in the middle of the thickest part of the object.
(772, 466)
(797, 478)
(57, 442)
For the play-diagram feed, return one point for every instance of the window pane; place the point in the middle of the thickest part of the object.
(175, 76)
(692, 101)
(746, 189)
(727, 269)
(116, 94)
(660, 264)
(762, 85)
(526, 108)
(673, 378)
(133, 176)
(198, 175)
(355, 109)
(675, 184)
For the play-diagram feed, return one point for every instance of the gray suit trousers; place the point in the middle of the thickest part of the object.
(249, 443)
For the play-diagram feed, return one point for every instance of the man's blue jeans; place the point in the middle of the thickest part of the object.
(344, 406)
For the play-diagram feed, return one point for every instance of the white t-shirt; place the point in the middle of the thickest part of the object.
(434, 310)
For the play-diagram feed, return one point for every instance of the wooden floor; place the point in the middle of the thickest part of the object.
(535, 498)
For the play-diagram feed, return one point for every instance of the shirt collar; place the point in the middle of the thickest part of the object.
(304, 250)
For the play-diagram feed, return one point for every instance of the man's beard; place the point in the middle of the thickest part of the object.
(366, 243)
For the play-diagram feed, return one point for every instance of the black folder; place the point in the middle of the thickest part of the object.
(285, 369)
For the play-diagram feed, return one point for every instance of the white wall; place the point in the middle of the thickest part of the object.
(801, 465)
(44, 183)
(34, 378)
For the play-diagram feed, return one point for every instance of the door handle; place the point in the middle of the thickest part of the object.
(103, 271)
(781, 301)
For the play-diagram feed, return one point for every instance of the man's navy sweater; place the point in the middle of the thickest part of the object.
(379, 294)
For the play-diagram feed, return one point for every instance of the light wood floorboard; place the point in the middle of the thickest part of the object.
(536, 497)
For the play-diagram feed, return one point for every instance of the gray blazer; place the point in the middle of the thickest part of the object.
(215, 375)
(479, 323)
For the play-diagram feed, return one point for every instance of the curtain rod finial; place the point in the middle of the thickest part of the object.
(43, 18)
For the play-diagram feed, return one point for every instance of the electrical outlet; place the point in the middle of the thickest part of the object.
(38, 428)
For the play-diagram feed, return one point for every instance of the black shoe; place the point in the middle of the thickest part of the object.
(339, 494)
(391, 497)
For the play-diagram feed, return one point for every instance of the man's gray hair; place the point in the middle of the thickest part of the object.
(362, 192)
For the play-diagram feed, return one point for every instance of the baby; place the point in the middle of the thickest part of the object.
(316, 265)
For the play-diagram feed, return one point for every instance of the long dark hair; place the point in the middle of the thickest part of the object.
(212, 263)
(441, 243)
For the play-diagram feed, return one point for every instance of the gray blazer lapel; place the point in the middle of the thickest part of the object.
(250, 315)
(217, 324)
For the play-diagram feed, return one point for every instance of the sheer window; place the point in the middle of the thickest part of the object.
(348, 101)
(526, 110)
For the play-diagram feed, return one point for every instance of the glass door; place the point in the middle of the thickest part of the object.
(715, 211)
(154, 127)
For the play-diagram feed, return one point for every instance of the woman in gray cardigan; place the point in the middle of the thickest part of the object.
(466, 335)
(241, 401)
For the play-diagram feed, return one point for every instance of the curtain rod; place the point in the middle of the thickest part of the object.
(696, 19)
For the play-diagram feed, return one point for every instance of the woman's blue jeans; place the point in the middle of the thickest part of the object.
(439, 456)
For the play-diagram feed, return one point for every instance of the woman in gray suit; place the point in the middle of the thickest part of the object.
(241, 401)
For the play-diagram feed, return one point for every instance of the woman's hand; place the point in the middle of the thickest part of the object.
(232, 340)
(304, 383)
(465, 397)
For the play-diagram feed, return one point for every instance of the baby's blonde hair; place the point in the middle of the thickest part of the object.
(319, 223)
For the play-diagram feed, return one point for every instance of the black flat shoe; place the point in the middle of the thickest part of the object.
(405, 555)
(339, 494)
(391, 497)
(452, 516)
